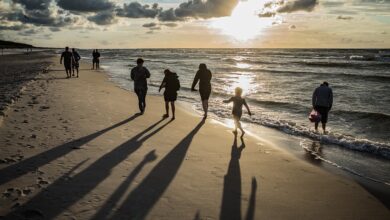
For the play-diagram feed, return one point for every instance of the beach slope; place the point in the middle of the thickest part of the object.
(76, 149)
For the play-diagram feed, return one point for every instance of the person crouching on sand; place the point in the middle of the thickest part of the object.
(238, 102)
(171, 84)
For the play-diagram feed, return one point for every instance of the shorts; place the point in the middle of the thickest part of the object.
(205, 94)
(76, 65)
(68, 66)
(170, 96)
(323, 111)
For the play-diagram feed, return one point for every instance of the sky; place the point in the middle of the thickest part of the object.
(197, 23)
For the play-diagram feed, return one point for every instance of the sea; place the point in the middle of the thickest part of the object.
(278, 85)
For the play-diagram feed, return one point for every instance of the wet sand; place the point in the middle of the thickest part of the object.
(76, 149)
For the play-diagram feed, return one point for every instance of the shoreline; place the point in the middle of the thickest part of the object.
(83, 149)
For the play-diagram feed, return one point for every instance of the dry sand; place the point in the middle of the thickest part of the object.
(75, 149)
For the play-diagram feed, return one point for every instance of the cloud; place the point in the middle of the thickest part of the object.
(340, 17)
(266, 14)
(85, 5)
(136, 10)
(55, 29)
(34, 4)
(199, 9)
(170, 24)
(297, 5)
(12, 28)
(103, 18)
(149, 25)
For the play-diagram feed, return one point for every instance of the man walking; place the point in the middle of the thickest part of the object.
(322, 102)
(139, 74)
(68, 58)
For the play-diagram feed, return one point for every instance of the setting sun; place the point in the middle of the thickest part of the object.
(244, 23)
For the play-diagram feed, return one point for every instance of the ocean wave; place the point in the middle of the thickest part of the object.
(347, 141)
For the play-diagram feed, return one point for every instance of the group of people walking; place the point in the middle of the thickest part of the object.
(322, 99)
(171, 84)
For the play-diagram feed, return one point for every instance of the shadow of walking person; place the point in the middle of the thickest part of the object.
(33, 163)
(69, 192)
(111, 202)
(231, 198)
(142, 199)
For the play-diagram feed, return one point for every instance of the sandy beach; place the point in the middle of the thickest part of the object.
(77, 149)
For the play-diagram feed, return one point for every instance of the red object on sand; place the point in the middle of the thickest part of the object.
(314, 116)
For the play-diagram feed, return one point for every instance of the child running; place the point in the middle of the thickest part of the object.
(238, 101)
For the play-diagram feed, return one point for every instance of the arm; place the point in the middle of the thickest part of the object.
(147, 73)
(228, 100)
(132, 74)
(247, 108)
(330, 100)
(163, 84)
(196, 79)
(314, 98)
(62, 56)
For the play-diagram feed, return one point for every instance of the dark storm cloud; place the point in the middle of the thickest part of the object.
(199, 9)
(136, 10)
(12, 28)
(85, 5)
(297, 5)
(103, 18)
(33, 4)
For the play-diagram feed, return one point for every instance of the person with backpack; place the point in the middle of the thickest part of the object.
(139, 74)
(171, 84)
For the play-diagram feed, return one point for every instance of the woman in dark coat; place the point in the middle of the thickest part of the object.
(204, 77)
(171, 84)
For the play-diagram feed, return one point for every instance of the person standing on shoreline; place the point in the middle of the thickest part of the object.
(67, 56)
(171, 84)
(204, 77)
(322, 102)
(95, 59)
(75, 64)
(139, 74)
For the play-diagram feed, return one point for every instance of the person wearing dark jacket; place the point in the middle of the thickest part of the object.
(171, 84)
(322, 102)
(139, 74)
(203, 76)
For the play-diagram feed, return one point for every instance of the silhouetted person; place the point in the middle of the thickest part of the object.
(204, 77)
(67, 56)
(238, 102)
(322, 102)
(171, 84)
(139, 74)
(76, 59)
(96, 59)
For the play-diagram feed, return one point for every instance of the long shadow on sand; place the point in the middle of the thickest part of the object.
(142, 199)
(61, 194)
(231, 198)
(33, 163)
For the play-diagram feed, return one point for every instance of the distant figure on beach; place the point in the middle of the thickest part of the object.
(76, 59)
(67, 56)
(204, 77)
(238, 102)
(96, 59)
(139, 74)
(322, 102)
(171, 84)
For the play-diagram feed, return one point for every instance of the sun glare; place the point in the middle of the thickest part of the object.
(243, 24)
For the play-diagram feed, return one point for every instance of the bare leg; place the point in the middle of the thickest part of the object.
(205, 105)
(77, 72)
(166, 110)
(173, 110)
(316, 126)
(235, 125)
(324, 127)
